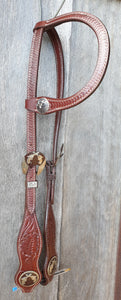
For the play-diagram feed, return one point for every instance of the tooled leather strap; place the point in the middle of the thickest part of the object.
(52, 104)
(29, 242)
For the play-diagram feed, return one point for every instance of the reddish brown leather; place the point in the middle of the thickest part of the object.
(103, 54)
(29, 242)
(49, 224)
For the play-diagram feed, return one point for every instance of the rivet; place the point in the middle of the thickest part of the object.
(42, 105)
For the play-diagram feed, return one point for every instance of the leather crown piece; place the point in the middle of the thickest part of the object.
(29, 244)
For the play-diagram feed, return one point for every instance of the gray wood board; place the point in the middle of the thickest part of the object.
(92, 166)
(87, 196)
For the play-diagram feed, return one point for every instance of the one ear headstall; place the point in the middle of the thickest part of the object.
(29, 244)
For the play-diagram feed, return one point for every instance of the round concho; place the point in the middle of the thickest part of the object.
(28, 278)
(52, 265)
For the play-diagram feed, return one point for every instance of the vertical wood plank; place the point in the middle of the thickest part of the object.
(92, 165)
(17, 21)
(88, 178)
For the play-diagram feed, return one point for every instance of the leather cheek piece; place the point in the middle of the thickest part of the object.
(56, 104)
(29, 243)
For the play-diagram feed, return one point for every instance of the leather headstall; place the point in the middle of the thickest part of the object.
(29, 244)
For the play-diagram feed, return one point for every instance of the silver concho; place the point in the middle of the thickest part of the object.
(42, 105)
(28, 278)
(52, 266)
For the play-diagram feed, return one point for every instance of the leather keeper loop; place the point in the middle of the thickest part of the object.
(51, 177)
(50, 171)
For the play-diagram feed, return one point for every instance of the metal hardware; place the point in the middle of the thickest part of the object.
(52, 266)
(28, 278)
(42, 105)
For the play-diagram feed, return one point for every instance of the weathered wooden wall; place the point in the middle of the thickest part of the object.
(87, 198)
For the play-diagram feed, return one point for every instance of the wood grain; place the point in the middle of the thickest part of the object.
(17, 22)
(91, 201)
(88, 193)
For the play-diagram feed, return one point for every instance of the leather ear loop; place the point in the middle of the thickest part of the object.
(99, 29)
(49, 223)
